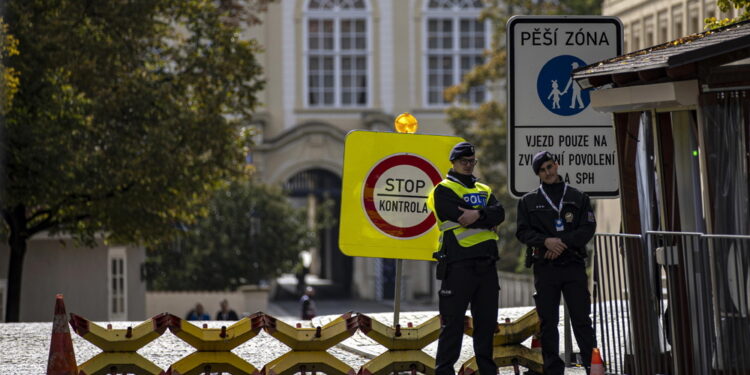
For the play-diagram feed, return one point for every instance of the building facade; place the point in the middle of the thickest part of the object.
(647, 23)
(334, 66)
(101, 283)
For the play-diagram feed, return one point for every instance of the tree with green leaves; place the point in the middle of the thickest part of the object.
(251, 234)
(8, 75)
(486, 125)
(125, 118)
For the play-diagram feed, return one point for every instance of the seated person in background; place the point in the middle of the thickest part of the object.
(226, 313)
(197, 313)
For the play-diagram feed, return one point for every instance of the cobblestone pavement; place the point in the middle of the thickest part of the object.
(25, 346)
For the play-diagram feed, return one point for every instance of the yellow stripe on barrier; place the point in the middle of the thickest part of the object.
(120, 340)
(517, 331)
(118, 363)
(304, 361)
(510, 333)
(404, 346)
(212, 362)
(508, 356)
(400, 338)
(508, 350)
(312, 339)
(119, 346)
(397, 361)
(217, 339)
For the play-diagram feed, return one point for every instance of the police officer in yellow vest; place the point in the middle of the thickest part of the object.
(467, 214)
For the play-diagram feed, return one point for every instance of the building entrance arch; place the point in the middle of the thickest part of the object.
(316, 189)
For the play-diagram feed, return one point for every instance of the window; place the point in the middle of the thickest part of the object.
(337, 53)
(636, 34)
(455, 43)
(117, 276)
(648, 28)
(677, 22)
(663, 29)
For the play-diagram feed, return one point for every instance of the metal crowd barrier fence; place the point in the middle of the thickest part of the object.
(673, 303)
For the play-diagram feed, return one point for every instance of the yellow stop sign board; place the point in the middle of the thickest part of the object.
(387, 177)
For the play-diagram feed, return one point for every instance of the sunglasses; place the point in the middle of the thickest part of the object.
(468, 162)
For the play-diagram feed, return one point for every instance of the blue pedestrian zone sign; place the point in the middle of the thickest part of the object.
(556, 88)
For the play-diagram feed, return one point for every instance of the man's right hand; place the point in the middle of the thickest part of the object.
(554, 246)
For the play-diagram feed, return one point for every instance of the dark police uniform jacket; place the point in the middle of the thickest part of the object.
(536, 222)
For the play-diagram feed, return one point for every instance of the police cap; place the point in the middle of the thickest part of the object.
(539, 159)
(462, 149)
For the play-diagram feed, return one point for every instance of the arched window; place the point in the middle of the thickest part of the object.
(337, 50)
(455, 43)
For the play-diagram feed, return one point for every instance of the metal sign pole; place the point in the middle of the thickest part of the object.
(397, 292)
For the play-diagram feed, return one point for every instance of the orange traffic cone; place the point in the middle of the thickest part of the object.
(62, 359)
(597, 366)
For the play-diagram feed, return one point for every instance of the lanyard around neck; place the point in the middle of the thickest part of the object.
(559, 207)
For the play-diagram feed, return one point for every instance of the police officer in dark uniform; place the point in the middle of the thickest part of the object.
(556, 221)
(467, 214)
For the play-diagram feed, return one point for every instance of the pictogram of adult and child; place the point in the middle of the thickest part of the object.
(555, 93)
(569, 100)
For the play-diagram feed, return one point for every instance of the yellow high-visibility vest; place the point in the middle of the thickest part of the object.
(477, 197)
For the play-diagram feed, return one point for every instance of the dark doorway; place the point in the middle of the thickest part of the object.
(319, 189)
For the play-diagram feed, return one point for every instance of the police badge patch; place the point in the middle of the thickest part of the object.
(591, 217)
(569, 217)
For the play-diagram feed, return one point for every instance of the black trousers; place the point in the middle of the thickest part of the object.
(550, 281)
(467, 282)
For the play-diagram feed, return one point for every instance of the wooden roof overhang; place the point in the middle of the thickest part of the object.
(669, 74)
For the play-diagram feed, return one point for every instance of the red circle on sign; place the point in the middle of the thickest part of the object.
(369, 192)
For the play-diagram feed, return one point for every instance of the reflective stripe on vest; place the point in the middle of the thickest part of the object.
(448, 225)
(469, 232)
(477, 197)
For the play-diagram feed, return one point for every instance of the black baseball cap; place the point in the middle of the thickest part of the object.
(462, 149)
(539, 159)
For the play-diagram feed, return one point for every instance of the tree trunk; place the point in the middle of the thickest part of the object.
(18, 236)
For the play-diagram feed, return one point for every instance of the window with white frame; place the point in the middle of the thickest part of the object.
(117, 277)
(337, 53)
(455, 44)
